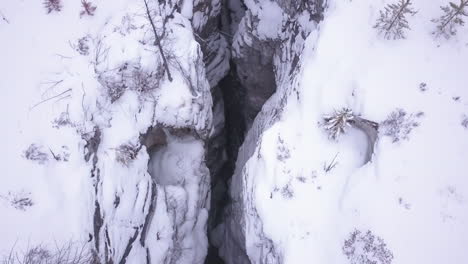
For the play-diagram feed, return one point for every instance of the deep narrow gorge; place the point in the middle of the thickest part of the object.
(237, 99)
(193, 202)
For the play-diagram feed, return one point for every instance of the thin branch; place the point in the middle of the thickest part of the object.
(332, 164)
(53, 85)
(48, 99)
(62, 56)
(157, 41)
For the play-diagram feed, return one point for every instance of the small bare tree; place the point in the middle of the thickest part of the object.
(451, 19)
(336, 123)
(157, 40)
(392, 22)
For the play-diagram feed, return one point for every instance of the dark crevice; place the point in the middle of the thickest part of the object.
(149, 215)
(233, 136)
(129, 246)
(241, 94)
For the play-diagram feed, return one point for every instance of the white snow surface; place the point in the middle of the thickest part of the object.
(413, 193)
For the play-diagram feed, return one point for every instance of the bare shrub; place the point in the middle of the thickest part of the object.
(451, 19)
(82, 46)
(69, 253)
(423, 87)
(126, 153)
(53, 5)
(100, 52)
(336, 123)
(287, 191)
(62, 120)
(36, 153)
(399, 124)
(464, 121)
(282, 151)
(130, 76)
(19, 200)
(366, 248)
(88, 8)
(301, 179)
(145, 81)
(392, 22)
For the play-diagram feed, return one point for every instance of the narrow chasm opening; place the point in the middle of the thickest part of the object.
(237, 99)
(222, 154)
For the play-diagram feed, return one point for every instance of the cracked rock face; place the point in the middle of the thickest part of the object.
(268, 31)
(266, 52)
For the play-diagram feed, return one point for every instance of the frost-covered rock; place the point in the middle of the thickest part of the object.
(269, 38)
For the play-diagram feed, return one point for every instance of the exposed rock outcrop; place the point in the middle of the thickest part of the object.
(151, 192)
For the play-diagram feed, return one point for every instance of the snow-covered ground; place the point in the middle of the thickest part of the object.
(413, 194)
(315, 197)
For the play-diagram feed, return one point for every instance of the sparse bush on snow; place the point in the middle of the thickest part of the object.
(282, 151)
(19, 200)
(126, 153)
(88, 8)
(82, 46)
(287, 191)
(36, 153)
(366, 248)
(451, 19)
(130, 76)
(392, 22)
(423, 87)
(53, 5)
(70, 253)
(336, 123)
(399, 124)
